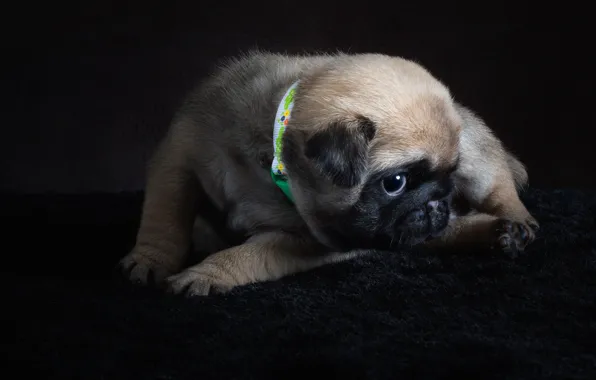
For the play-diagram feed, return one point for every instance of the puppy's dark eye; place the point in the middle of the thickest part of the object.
(395, 184)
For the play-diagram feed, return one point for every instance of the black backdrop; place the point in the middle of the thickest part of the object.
(89, 87)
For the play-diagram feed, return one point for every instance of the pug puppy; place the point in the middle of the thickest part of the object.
(315, 159)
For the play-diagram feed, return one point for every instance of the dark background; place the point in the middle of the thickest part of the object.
(89, 87)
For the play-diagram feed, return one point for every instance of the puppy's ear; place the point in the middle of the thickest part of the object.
(340, 151)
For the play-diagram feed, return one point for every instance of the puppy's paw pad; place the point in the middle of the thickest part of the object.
(192, 283)
(513, 237)
(141, 270)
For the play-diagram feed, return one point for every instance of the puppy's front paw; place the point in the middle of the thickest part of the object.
(145, 267)
(200, 280)
(514, 237)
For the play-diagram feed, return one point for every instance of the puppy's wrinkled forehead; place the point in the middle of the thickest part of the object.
(413, 112)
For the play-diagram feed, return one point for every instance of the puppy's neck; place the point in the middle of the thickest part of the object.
(282, 117)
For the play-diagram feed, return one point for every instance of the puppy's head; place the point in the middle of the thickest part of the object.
(370, 149)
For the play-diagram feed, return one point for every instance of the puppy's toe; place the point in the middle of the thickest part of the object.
(193, 282)
(513, 237)
(141, 270)
(533, 224)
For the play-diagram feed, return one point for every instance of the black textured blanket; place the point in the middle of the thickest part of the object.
(386, 316)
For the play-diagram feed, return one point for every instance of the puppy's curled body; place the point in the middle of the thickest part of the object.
(227, 127)
(360, 124)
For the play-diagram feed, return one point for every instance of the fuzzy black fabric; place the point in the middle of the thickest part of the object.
(416, 314)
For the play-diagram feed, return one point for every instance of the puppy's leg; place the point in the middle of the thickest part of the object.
(265, 257)
(480, 230)
(503, 202)
(164, 234)
(489, 178)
